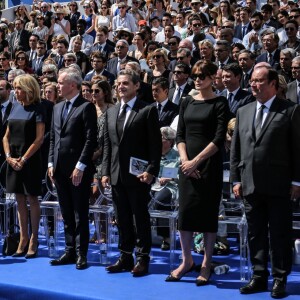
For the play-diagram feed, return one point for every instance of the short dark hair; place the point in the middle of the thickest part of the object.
(266, 7)
(186, 69)
(162, 82)
(294, 22)
(63, 41)
(133, 75)
(81, 22)
(273, 75)
(234, 68)
(207, 67)
(224, 43)
(35, 35)
(103, 29)
(99, 55)
(257, 14)
(167, 15)
(250, 53)
(178, 39)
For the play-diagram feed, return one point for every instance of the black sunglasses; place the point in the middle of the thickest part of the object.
(294, 17)
(178, 72)
(196, 25)
(181, 57)
(95, 91)
(289, 29)
(195, 76)
(156, 56)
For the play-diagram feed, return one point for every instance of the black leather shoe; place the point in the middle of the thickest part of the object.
(124, 263)
(255, 285)
(172, 278)
(65, 259)
(140, 268)
(20, 254)
(34, 254)
(278, 290)
(81, 262)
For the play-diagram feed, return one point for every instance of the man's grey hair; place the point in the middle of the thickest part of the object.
(296, 59)
(132, 74)
(186, 51)
(168, 133)
(135, 66)
(289, 51)
(49, 67)
(70, 55)
(72, 75)
(16, 72)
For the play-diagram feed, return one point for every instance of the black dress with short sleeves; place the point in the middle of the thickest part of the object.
(202, 122)
(22, 128)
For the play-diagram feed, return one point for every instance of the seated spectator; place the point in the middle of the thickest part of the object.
(41, 30)
(291, 29)
(285, 61)
(50, 92)
(22, 62)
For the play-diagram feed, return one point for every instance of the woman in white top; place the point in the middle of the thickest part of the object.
(41, 30)
(104, 19)
(60, 25)
(180, 24)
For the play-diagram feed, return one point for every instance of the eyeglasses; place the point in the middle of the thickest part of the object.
(120, 47)
(40, 47)
(196, 25)
(294, 17)
(295, 68)
(58, 7)
(32, 41)
(289, 29)
(178, 72)
(85, 7)
(195, 76)
(20, 58)
(194, 4)
(172, 44)
(223, 27)
(156, 56)
(44, 7)
(181, 57)
(86, 91)
(72, 5)
(95, 91)
(122, 7)
(3, 58)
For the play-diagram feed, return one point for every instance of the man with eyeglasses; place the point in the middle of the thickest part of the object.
(98, 62)
(271, 55)
(123, 19)
(48, 15)
(291, 29)
(251, 40)
(222, 52)
(245, 26)
(181, 86)
(293, 88)
(87, 39)
(265, 172)
(41, 55)
(113, 65)
(4, 63)
(286, 57)
(166, 21)
(102, 43)
(20, 37)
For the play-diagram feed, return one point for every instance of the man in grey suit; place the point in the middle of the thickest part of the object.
(293, 88)
(265, 170)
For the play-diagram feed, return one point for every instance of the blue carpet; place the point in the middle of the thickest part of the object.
(36, 279)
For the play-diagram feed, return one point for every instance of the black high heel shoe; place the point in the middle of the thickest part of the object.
(172, 278)
(20, 254)
(34, 254)
(201, 282)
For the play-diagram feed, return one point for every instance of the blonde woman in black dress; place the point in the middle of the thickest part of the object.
(200, 136)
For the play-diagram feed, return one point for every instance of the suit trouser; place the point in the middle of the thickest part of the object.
(269, 226)
(133, 219)
(74, 204)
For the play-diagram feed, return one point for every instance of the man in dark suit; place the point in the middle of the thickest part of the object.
(46, 14)
(265, 170)
(37, 63)
(266, 11)
(223, 52)
(102, 42)
(20, 37)
(62, 49)
(114, 64)
(271, 55)
(245, 26)
(246, 61)
(98, 64)
(181, 87)
(31, 53)
(72, 142)
(167, 110)
(131, 130)
(6, 105)
(293, 88)
(237, 97)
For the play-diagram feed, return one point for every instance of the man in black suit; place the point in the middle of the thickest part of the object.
(20, 37)
(265, 170)
(293, 88)
(47, 14)
(98, 64)
(237, 97)
(6, 105)
(271, 55)
(31, 53)
(114, 64)
(246, 61)
(72, 142)
(223, 51)
(37, 63)
(167, 110)
(266, 11)
(245, 26)
(181, 87)
(62, 49)
(131, 130)
(102, 42)
(286, 57)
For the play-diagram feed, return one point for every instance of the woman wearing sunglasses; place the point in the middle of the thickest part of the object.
(200, 136)
(104, 18)
(73, 17)
(90, 19)
(22, 62)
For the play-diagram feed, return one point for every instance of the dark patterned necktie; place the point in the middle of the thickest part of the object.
(259, 120)
(121, 120)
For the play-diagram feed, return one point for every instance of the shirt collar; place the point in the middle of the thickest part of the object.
(130, 103)
(163, 103)
(182, 87)
(233, 92)
(4, 104)
(72, 100)
(266, 104)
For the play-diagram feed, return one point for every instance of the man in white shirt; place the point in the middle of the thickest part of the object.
(123, 19)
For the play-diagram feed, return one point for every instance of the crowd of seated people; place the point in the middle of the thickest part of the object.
(161, 43)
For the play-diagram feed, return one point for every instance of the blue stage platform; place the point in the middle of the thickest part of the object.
(36, 279)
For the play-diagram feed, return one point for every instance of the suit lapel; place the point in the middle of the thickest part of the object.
(131, 117)
(249, 119)
(73, 108)
(115, 115)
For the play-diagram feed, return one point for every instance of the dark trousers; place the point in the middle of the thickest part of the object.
(133, 219)
(74, 204)
(269, 232)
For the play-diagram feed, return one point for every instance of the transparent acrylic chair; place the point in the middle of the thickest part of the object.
(8, 203)
(170, 214)
(50, 208)
(235, 215)
(103, 208)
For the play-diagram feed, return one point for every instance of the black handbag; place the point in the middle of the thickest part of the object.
(11, 241)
